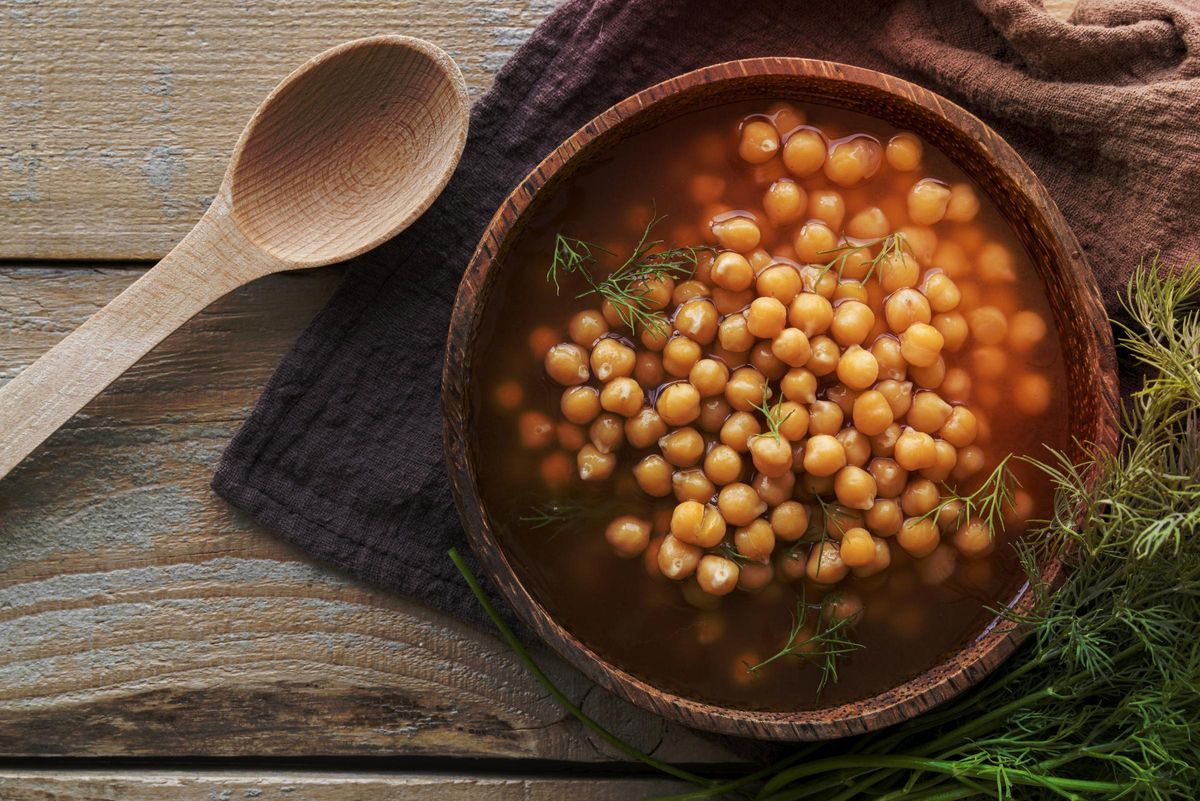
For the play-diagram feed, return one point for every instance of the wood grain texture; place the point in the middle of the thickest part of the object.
(159, 785)
(140, 615)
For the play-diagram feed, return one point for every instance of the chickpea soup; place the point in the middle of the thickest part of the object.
(749, 398)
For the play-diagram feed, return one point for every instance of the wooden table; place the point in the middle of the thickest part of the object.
(153, 642)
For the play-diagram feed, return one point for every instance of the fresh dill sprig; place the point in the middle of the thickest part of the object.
(773, 416)
(626, 288)
(558, 514)
(890, 246)
(988, 502)
(823, 646)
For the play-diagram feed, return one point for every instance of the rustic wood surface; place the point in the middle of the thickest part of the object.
(140, 616)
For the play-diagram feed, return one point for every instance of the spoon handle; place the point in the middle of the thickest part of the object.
(47, 393)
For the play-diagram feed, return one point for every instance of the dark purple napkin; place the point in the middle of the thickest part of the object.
(343, 453)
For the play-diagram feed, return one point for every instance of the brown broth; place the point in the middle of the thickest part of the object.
(644, 624)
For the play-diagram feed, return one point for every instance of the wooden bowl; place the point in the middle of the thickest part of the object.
(1073, 295)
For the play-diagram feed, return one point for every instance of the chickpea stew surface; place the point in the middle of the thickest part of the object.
(758, 375)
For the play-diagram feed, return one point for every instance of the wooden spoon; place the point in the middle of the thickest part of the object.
(345, 153)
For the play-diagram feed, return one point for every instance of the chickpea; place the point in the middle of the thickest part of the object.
(946, 457)
(570, 436)
(688, 290)
(825, 417)
(899, 271)
(813, 242)
(678, 404)
(919, 497)
(789, 520)
(755, 576)
(607, 433)
(738, 429)
(824, 455)
(953, 328)
(1031, 393)
(827, 206)
(580, 404)
(918, 537)
(812, 486)
(755, 541)
(872, 413)
(746, 389)
(956, 385)
(735, 334)
(853, 160)
(927, 201)
(1019, 512)
(804, 152)
(697, 320)
(759, 142)
(784, 202)
(974, 539)
(541, 340)
(922, 242)
(593, 464)
(855, 488)
(726, 302)
(567, 364)
(717, 575)
(791, 347)
(851, 289)
(1026, 330)
(881, 561)
(697, 524)
(509, 395)
(852, 321)
(843, 397)
(653, 475)
(555, 470)
(648, 370)
(884, 518)
(650, 556)
(628, 536)
(963, 205)
(692, 485)
(766, 317)
(676, 559)
(904, 152)
(655, 335)
(738, 233)
(870, 223)
(898, 394)
(536, 430)
(988, 325)
(989, 362)
(793, 420)
(739, 504)
(586, 327)
(825, 565)
(763, 359)
(905, 308)
(948, 515)
(970, 462)
(723, 465)
(811, 313)
(708, 376)
(928, 412)
(937, 567)
(683, 447)
(732, 271)
(825, 356)
(915, 450)
(929, 377)
(857, 368)
(857, 446)
(622, 396)
(890, 478)
(654, 291)
(772, 456)
(857, 548)
(779, 281)
(644, 428)
(921, 344)
(680, 355)
(995, 264)
(713, 412)
(705, 188)
(960, 428)
(799, 385)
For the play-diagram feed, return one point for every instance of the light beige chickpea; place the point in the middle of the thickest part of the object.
(786, 116)
(953, 328)
(536, 430)
(759, 141)
(755, 541)
(759, 259)
(824, 455)
(851, 323)
(988, 325)
(1032, 393)
(738, 429)
(567, 363)
(921, 241)
(857, 446)
(678, 404)
(804, 152)
(734, 334)
(628, 536)
(857, 548)
(825, 417)
(732, 271)
(708, 376)
(898, 394)
(655, 334)
(825, 356)
(784, 202)
(727, 302)
(746, 389)
(692, 485)
(960, 428)
(928, 412)
(644, 428)
(921, 344)
(892, 366)
(717, 575)
(779, 281)
(915, 450)
(854, 487)
(766, 318)
(825, 565)
(946, 459)
(949, 515)
(713, 413)
(607, 433)
(810, 313)
(1026, 330)
(648, 371)
(791, 347)
(881, 561)
(789, 520)
(918, 537)
(851, 289)
(580, 404)
(857, 368)
(771, 455)
(904, 152)
(738, 232)
(676, 559)
(872, 413)
(688, 290)
(890, 478)
(586, 327)
(655, 292)
(680, 355)
(870, 223)
(739, 504)
(956, 385)
(653, 475)
(853, 160)
(951, 258)
(697, 524)
(927, 201)
(904, 308)
(963, 205)
(814, 241)
(594, 465)
(989, 362)
(974, 539)
(929, 377)
(763, 359)
(793, 420)
(622, 396)
(799, 385)
(697, 319)
(919, 497)
(898, 271)
(995, 264)
(828, 206)
(970, 462)
(884, 518)
(723, 465)
(843, 397)
(682, 447)
(755, 576)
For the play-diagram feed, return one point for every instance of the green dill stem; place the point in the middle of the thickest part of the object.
(523, 655)
(722, 788)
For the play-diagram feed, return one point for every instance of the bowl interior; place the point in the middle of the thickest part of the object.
(1071, 291)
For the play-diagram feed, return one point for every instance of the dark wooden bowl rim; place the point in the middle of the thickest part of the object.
(1071, 287)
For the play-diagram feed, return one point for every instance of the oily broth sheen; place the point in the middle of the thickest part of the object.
(684, 641)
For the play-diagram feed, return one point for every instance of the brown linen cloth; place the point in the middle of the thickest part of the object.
(343, 454)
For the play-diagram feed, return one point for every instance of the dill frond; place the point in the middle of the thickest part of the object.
(890, 246)
(987, 503)
(828, 641)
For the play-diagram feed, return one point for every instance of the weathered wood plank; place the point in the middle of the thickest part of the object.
(160, 785)
(140, 615)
